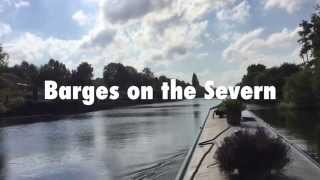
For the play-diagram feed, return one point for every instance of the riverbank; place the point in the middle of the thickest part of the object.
(33, 108)
(45, 111)
(203, 166)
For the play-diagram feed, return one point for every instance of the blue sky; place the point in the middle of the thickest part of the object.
(217, 39)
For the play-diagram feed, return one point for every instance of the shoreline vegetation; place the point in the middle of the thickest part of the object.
(298, 85)
(22, 86)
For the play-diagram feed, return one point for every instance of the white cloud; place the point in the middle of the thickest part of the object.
(41, 49)
(151, 29)
(81, 18)
(5, 29)
(125, 10)
(238, 13)
(257, 47)
(272, 50)
(99, 38)
(133, 32)
(21, 3)
(289, 5)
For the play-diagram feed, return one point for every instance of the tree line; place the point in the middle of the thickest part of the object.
(30, 78)
(114, 74)
(298, 85)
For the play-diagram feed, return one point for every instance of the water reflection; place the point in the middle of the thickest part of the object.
(2, 158)
(299, 126)
(128, 143)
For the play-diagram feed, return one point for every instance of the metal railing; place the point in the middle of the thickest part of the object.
(184, 167)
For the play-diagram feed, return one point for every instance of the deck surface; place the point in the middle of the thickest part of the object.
(300, 168)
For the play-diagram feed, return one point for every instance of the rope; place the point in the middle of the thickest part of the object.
(208, 142)
(202, 158)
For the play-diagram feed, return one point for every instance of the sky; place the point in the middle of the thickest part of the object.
(216, 39)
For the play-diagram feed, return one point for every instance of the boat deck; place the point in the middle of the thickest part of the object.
(300, 168)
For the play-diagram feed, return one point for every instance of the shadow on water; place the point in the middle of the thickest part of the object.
(13, 121)
(301, 127)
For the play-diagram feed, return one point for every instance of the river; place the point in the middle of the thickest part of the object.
(300, 127)
(137, 142)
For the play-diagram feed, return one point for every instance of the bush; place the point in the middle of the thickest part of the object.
(221, 110)
(298, 89)
(16, 102)
(252, 155)
(233, 109)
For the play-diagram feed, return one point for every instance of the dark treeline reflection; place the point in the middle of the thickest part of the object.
(135, 142)
(2, 158)
(302, 127)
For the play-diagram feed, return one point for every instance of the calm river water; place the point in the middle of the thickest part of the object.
(300, 127)
(139, 142)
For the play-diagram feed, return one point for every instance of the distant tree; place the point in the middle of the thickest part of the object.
(310, 36)
(195, 81)
(83, 75)
(26, 71)
(148, 73)
(305, 40)
(252, 72)
(115, 74)
(259, 75)
(163, 79)
(3, 59)
(288, 69)
(54, 70)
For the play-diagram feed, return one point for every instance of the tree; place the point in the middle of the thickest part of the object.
(298, 89)
(195, 81)
(3, 59)
(305, 40)
(30, 74)
(259, 75)
(26, 71)
(56, 71)
(310, 36)
(148, 73)
(83, 75)
(252, 72)
(115, 74)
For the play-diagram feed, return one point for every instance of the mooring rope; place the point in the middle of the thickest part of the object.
(204, 143)
(207, 142)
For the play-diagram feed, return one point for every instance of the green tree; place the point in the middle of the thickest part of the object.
(26, 71)
(252, 72)
(310, 36)
(147, 71)
(83, 75)
(195, 81)
(298, 89)
(56, 71)
(115, 74)
(30, 74)
(4, 57)
(305, 40)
